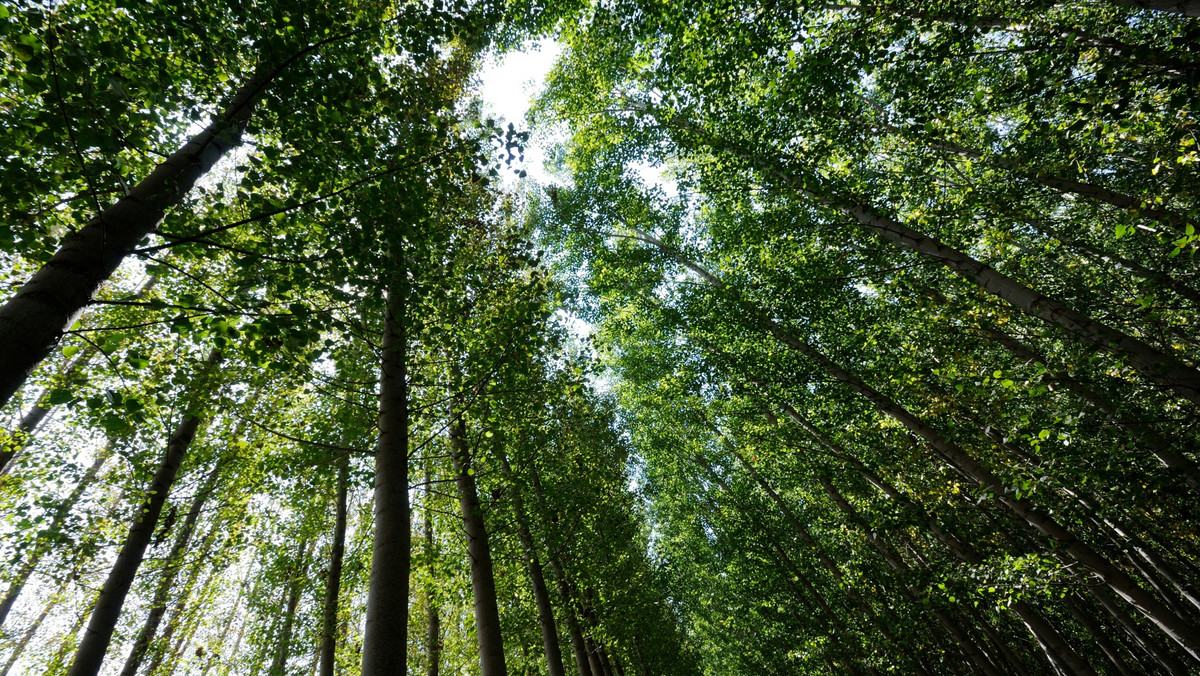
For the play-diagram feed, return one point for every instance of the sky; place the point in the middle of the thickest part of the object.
(507, 85)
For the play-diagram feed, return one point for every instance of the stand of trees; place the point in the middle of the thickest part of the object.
(892, 364)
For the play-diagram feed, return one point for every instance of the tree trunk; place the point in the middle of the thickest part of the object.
(19, 648)
(483, 582)
(334, 580)
(90, 654)
(38, 412)
(433, 632)
(541, 596)
(174, 562)
(34, 319)
(56, 524)
(283, 649)
(1184, 7)
(385, 637)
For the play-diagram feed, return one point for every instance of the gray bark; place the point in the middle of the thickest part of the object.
(334, 580)
(174, 562)
(60, 516)
(283, 646)
(483, 582)
(386, 634)
(90, 654)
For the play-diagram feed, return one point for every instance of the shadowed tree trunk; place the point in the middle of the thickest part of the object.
(433, 629)
(174, 562)
(90, 654)
(283, 647)
(333, 581)
(386, 634)
(483, 582)
(545, 611)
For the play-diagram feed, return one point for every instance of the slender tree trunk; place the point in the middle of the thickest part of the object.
(90, 654)
(334, 581)
(174, 562)
(1158, 652)
(1100, 635)
(541, 596)
(483, 582)
(385, 637)
(56, 524)
(19, 648)
(433, 631)
(283, 648)
(578, 643)
(1184, 7)
(215, 656)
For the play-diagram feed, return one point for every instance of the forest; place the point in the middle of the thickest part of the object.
(831, 337)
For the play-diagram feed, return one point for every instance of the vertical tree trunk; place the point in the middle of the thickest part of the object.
(385, 637)
(90, 654)
(541, 596)
(56, 523)
(283, 647)
(215, 656)
(433, 630)
(483, 582)
(174, 562)
(334, 580)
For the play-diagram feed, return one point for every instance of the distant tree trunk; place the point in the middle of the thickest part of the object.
(225, 626)
(159, 649)
(56, 524)
(433, 630)
(174, 562)
(283, 647)
(334, 580)
(1184, 7)
(541, 596)
(90, 654)
(385, 637)
(483, 582)
(55, 599)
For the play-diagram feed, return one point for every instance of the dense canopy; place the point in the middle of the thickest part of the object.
(832, 338)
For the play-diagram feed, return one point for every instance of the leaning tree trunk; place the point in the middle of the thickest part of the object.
(545, 611)
(1178, 628)
(90, 654)
(386, 634)
(174, 562)
(41, 408)
(283, 648)
(56, 524)
(34, 319)
(55, 599)
(483, 581)
(334, 581)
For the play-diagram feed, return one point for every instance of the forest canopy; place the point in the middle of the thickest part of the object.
(834, 338)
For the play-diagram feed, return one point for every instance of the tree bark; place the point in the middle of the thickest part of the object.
(174, 562)
(90, 654)
(433, 631)
(1184, 7)
(283, 648)
(33, 320)
(1178, 628)
(334, 581)
(56, 524)
(483, 582)
(19, 648)
(545, 611)
(385, 637)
